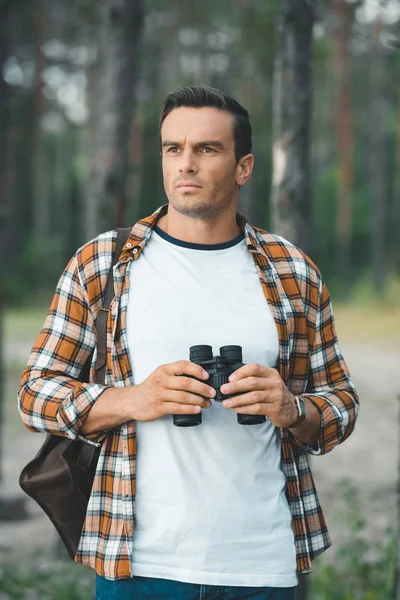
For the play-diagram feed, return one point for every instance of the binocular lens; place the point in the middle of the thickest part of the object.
(231, 353)
(200, 353)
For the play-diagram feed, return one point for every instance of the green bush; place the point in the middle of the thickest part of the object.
(46, 580)
(361, 569)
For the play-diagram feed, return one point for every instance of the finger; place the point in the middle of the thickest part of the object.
(251, 370)
(175, 408)
(186, 398)
(182, 382)
(252, 409)
(245, 400)
(186, 367)
(246, 385)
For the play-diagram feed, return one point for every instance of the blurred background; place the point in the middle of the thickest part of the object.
(81, 87)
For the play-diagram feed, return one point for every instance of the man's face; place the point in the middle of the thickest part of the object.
(198, 147)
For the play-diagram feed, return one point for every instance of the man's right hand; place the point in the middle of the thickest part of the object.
(166, 391)
(169, 391)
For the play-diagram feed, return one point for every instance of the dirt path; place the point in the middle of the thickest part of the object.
(368, 459)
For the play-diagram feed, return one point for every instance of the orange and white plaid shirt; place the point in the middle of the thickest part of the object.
(52, 400)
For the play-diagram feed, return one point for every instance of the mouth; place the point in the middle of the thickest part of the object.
(188, 186)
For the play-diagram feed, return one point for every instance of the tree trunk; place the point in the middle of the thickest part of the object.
(345, 139)
(291, 181)
(5, 96)
(378, 165)
(135, 182)
(291, 188)
(119, 34)
(396, 219)
(40, 188)
(162, 57)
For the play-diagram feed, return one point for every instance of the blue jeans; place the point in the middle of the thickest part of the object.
(151, 588)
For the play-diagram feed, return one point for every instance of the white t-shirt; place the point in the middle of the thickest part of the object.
(210, 500)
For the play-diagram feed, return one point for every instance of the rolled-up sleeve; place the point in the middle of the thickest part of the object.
(329, 386)
(51, 398)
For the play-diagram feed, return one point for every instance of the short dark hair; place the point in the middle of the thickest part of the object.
(199, 96)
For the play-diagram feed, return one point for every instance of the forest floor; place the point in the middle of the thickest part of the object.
(367, 460)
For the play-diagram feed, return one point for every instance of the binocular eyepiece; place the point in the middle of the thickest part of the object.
(219, 369)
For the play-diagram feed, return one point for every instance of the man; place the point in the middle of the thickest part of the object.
(221, 510)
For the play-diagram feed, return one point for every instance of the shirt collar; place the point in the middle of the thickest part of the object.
(143, 229)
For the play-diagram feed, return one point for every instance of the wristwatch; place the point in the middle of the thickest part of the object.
(301, 411)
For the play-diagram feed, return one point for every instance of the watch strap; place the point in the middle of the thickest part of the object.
(301, 412)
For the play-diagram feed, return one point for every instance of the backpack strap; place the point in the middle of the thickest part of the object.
(101, 321)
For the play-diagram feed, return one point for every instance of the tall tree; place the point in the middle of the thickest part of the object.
(291, 189)
(4, 219)
(118, 27)
(250, 54)
(291, 185)
(10, 507)
(343, 14)
(378, 153)
(41, 207)
(396, 219)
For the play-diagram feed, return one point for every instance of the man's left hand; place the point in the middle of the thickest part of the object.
(262, 392)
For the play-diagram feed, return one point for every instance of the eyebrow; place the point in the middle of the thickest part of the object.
(214, 143)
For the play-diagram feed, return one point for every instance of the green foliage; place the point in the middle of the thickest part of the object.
(366, 295)
(362, 569)
(47, 581)
(40, 268)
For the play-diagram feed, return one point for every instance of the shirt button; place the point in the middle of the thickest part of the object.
(134, 251)
(129, 245)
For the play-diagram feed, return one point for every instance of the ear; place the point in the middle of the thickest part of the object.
(244, 169)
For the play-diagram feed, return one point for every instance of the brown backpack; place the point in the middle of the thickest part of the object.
(60, 477)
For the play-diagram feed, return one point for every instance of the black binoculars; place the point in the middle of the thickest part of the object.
(219, 368)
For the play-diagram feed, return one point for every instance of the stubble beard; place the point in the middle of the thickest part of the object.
(205, 209)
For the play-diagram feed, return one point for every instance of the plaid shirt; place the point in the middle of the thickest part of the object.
(310, 363)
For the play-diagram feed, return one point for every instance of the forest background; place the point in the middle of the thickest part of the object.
(81, 86)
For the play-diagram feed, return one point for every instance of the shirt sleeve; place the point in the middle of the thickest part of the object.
(329, 386)
(51, 399)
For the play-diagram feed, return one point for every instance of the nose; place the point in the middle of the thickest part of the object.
(187, 163)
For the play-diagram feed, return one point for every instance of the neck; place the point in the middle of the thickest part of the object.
(220, 229)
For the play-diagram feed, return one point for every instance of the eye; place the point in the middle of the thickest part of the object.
(208, 148)
(172, 148)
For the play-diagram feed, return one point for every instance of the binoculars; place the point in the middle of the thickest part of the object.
(219, 369)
